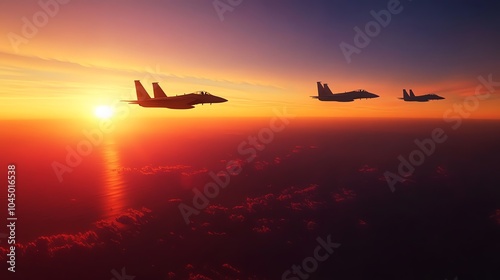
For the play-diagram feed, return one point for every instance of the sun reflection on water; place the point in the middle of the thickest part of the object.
(114, 196)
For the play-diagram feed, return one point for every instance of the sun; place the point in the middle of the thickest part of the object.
(103, 112)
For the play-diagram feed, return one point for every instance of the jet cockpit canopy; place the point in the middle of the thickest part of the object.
(201, 92)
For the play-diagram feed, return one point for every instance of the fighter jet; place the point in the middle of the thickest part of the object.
(325, 94)
(420, 98)
(161, 100)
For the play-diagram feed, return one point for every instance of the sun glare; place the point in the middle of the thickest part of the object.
(103, 112)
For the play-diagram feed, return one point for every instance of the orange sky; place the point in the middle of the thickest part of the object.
(89, 53)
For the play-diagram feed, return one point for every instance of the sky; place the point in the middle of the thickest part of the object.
(63, 58)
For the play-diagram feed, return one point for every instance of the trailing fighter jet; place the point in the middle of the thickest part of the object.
(161, 100)
(420, 98)
(325, 94)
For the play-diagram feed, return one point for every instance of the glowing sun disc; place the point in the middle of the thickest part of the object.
(103, 112)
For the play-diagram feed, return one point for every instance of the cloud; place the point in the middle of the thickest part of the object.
(237, 218)
(367, 169)
(297, 149)
(134, 217)
(261, 229)
(253, 213)
(268, 216)
(216, 233)
(306, 204)
(106, 232)
(311, 225)
(442, 171)
(307, 190)
(261, 165)
(215, 209)
(343, 195)
(196, 276)
(231, 268)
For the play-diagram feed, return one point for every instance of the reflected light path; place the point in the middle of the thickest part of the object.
(114, 200)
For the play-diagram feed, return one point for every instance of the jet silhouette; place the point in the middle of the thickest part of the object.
(325, 94)
(420, 98)
(161, 100)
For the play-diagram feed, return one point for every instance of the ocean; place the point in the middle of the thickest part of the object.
(259, 198)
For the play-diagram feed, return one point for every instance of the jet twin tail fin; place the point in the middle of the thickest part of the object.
(327, 90)
(323, 89)
(411, 93)
(158, 91)
(405, 94)
(141, 92)
(320, 89)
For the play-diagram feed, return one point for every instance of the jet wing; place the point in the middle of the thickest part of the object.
(180, 102)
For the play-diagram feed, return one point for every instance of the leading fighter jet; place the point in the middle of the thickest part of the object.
(325, 94)
(161, 100)
(420, 98)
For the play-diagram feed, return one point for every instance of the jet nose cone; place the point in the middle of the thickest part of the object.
(222, 99)
(374, 95)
